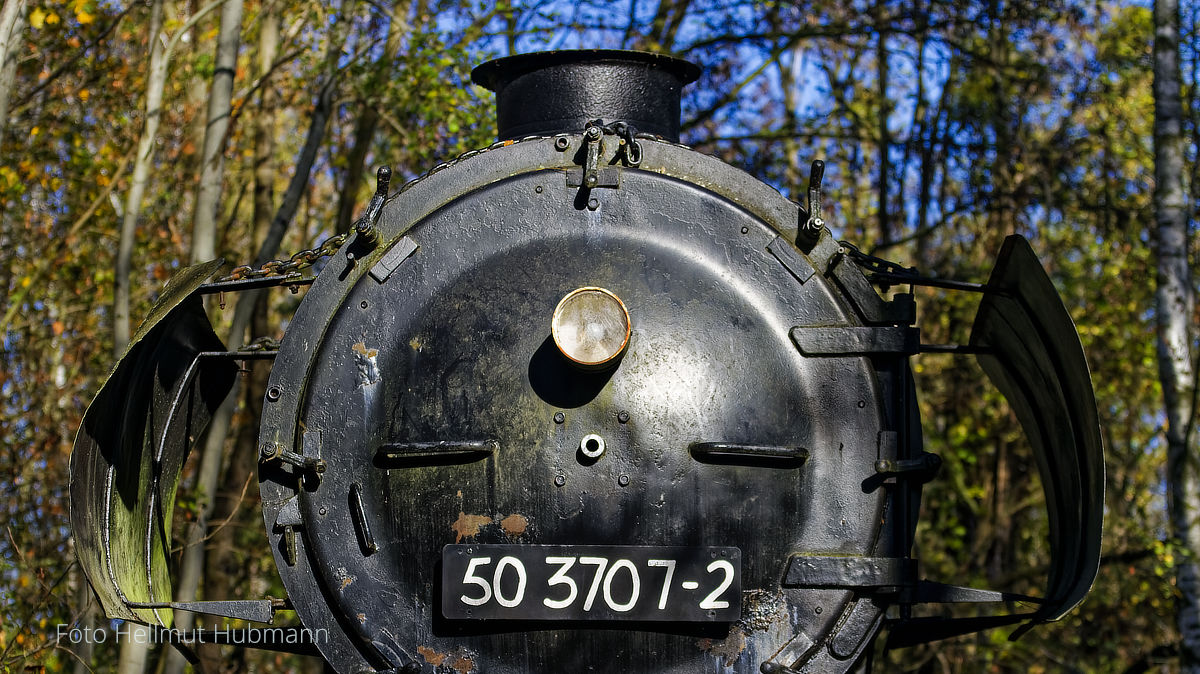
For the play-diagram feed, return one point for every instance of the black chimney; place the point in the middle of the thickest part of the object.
(561, 91)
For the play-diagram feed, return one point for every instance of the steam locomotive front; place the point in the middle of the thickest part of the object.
(587, 400)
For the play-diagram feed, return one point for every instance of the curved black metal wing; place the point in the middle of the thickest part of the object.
(131, 445)
(1032, 353)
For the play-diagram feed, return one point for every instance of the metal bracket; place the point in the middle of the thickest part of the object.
(288, 519)
(273, 451)
(727, 453)
(796, 264)
(810, 230)
(368, 235)
(253, 610)
(921, 469)
(310, 462)
(856, 341)
(437, 453)
(392, 259)
(930, 592)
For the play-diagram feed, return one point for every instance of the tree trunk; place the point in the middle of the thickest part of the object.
(234, 499)
(155, 84)
(212, 158)
(885, 138)
(12, 18)
(134, 652)
(1175, 302)
(368, 121)
(218, 429)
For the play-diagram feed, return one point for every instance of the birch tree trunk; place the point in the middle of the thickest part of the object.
(212, 157)
(155, 83)
(134, 652)
(214, 443)
(234, 496)
(1175, 302)
(12, 19)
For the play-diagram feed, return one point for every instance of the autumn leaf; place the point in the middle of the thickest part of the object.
(37, 18)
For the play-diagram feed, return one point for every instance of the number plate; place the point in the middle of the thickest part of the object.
(591, 582)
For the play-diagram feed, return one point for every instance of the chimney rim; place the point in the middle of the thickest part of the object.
(494, 75)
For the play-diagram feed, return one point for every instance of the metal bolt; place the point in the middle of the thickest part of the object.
(745, 229)
(538, 189)
(593, 203)
(862, 404)
(623, 416)
(274, 393)
(323, 512)
(559, 417)
(818, 610)
(561, 143)
(560, 480)
(363, 304)
(267, 450)
(623, 480)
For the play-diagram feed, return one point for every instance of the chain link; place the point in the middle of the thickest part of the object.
(261, 344)
(875, 264)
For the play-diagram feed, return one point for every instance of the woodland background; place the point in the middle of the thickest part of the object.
(137, 136)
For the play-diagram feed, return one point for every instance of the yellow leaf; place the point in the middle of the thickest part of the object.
(25, 283)
(52, 18)
(84, 18)
(84, 94)
(37, 18)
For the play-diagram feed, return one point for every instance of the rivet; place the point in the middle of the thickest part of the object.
(745, 229)
(623, 416)
(561, 143)
(623, 480)
(274, 393)
(323, 512)
(363, 304)
(559, 417)
(560, 480)
(818, 610)
(538, 189)
(862, 404)
(593, 204)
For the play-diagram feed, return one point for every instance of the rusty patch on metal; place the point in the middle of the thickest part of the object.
(431, 656)
(762, 610)
(347, 579)
(514, 525)
(730, 648)
(415, 343)
(463, 665)
(364, 360)
(467, 526)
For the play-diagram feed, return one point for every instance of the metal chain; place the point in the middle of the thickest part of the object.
(875, 264)
(262, 344)
(329, 246)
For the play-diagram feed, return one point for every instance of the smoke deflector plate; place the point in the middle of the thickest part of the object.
(1034, 357)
